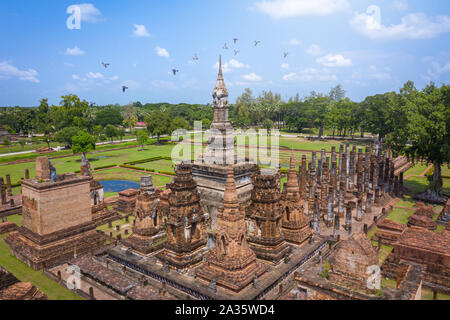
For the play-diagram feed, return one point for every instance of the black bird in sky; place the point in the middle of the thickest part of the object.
(286, 54)
(175, 71)
(195, 57)
(106, 65)
(225, 46)
(235, 40)
(257, 42)
(236, 52)
(124, 88)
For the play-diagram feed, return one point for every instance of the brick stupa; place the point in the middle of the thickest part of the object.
(231, 264)
(185, 223)
(264, 217)
(295, 225)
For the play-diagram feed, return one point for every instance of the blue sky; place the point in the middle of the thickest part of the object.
(368, 47)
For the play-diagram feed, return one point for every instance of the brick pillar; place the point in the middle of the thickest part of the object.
(27, 174)
(343, 173)
(341, 200)
(337, 227)
(2, 191)
(348, 217)
(330, 217)
(316, 223)
(396, 186)
(351, 175)
(359, 210)
(369, 203)
(91, 293)
(401, 179)
(8, 185)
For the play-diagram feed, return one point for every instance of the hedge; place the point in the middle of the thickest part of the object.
(147, 160)
(106, 167)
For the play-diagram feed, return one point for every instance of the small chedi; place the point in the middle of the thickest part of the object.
(148, 230)
(295, 227)
(56, 226)
(353, 259)
(231, 264)
(127, 201)
(264, 218)
(185, 222)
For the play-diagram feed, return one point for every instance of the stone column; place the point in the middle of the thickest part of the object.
(401, 179)
(348, 216)
(333, 178)
(341, 152)
(8, 185)
(333, 154)
(369, 203)
(27, 174)
(347, 157)
(396, 186)
(341, 200)
(316, 224)
(360, 176)
(366, 170)
(359, 210)
(351, 176)
(337, 227)
(303, 178)
(343, 178)
(330, 217)
(314, 160)
(377, 195)
(323, 193)
(375, 174)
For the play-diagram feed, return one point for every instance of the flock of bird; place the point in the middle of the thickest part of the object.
(195, 58)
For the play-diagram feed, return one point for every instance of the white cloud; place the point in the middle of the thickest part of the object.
(279, 9)
(96, 75)
(285, 66)
(373, 68)
(290, 76)
(311, 74)
(90, 13)
(252, 77)
(436, 70)
(231, 65)
(401, 5)
(8, 71)
(295, 42)
(114, 78)
(161, 84)
(379, 76)
(314, 50)
(162, 52)
(412, 26)
(140, 31)
(74, 51)
(70, 65)
(334, 60)
(75, 77)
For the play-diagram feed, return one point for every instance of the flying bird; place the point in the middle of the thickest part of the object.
(225, 46)
(236, 52)
(124, 88)
(235, 40)
(175, 71)
(286, 54)
(257, 42)
(106, 65)
(195, 57)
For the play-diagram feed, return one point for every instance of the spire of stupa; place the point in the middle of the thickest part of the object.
(220, 85)
(230, 198)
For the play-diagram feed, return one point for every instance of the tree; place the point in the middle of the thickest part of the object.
(421, 130)
(70, 113)
(179, 123)
(142, 138)
(111, 131)
(83, 142)
(22, 143)
(65, 136)
(121, 133)
(158, 123)
(108, 115)
(7, 143)
(268, 125)
(47, 139)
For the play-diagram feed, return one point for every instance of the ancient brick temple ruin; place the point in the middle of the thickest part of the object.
(231, 264)
(185, 222)
(264, 218)
(149, 233)
(210, 171)
(12, 289)
(9, 204)
(295, 227)
(422, 246)
(349, 271)
(127, 201)
(100, 213)
(56, 226)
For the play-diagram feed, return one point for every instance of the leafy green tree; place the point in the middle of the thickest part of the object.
(179, 123)
(82, 143)
(142, 138)
(109, 115)
(121, 133)
(42, 117)
(158, 124)
(70, 113)
(7, 143)
(48, 140)
(65, 136)
(111, 132)
(421, 129)
(22, 143)
(268, 125)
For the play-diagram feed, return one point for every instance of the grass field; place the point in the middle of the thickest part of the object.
(26, 274)
(400, 215)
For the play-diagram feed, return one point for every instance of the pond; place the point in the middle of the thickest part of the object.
(119, 185)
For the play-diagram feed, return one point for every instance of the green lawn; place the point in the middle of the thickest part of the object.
(384, 252)
(428, 295)
(17, 219)
(26, 274)
(417, 170)
(158, 165)
(372, 232)
(400, 215)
